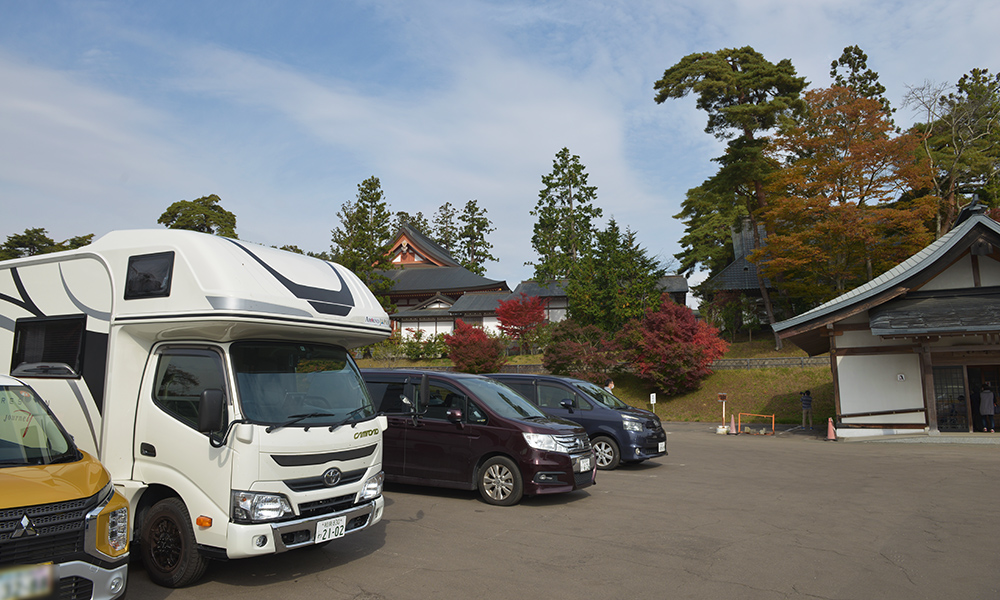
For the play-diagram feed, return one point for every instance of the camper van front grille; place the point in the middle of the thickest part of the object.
(308, 484)
(322, 507)
(45, 532)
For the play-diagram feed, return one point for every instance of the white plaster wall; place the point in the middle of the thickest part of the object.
(491, 325)
(958, 275)
(872, 384)
(989, 271)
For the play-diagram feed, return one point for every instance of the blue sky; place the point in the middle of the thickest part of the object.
(111, 111)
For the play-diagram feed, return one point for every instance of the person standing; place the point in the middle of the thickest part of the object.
(609, 385)
(987, 407)
(807, 409)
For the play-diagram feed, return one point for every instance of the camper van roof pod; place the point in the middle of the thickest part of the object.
(163, 274)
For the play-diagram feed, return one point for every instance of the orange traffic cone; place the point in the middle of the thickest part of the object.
(732, 424)
(831, 433)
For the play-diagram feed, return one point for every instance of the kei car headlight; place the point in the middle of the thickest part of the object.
(253, 507)
(373, 487)
(632, 424)
(112, 527)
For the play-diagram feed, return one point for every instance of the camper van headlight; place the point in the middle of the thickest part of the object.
(373, 487)
(632, 424)
(253, 507)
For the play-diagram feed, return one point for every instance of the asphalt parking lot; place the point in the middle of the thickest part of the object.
(748, 516)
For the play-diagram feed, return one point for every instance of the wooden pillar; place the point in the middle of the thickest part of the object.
(927, 383)
(834, 371)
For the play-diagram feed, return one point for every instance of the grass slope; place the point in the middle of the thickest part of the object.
(756, 391)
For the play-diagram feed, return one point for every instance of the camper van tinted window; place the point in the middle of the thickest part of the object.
(149, 275)
(50, 341)
(181, 376)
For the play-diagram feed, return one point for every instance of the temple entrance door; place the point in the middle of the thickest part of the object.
(950, 397)
(979, 376)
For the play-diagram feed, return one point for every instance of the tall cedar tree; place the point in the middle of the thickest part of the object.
(708, 216)
(472, 250)
(361, 242)
(204, 214)
(581, 351)
(446, 226)
(36, 241)
(472, 351)
(416, 221)
(670, 348)
(962, 140)
(834, 216)
(520, 316)
(564, 212)
(613, 283)
(744, 96)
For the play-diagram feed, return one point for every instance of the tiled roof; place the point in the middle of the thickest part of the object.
(425, 245)
(439, 279)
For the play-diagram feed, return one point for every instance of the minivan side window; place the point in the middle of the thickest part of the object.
(525, 388)
(181, 376)
(551, 396)
(386, 396)
(442, 397)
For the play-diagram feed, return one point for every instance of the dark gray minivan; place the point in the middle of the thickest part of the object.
(466, 431)
(618, 432)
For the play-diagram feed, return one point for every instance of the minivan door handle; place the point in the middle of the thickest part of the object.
(147, 449)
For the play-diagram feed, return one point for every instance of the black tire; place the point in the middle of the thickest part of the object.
(500, 482)
(606, 453)
(168, 547)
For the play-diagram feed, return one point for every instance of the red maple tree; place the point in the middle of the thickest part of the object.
(520, 316)
(671, 348)
(472, 351)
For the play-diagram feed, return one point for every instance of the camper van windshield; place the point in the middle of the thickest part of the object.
(279, 382)
(29, 435)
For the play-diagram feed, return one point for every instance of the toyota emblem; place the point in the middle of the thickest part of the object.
(331, 477)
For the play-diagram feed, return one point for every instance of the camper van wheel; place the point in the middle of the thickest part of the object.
(607, 453)
(168, 547)
(500, 481)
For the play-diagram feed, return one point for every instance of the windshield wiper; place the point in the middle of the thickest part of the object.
(293, 419)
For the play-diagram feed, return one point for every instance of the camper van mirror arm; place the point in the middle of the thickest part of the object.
(216, 442)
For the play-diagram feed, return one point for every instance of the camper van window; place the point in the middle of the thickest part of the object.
(42, 345)
(279, 380)
(149, 275)
(182, 374)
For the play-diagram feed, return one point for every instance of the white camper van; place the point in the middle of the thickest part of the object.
(212, 378)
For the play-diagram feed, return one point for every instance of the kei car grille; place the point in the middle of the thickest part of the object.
(75, 588)
(59, 532)
(575, 443)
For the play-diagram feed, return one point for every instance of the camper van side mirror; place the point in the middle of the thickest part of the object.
(567, 404)
(211, 411)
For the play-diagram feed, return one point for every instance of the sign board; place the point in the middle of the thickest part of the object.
(722, 397)
(652, 398)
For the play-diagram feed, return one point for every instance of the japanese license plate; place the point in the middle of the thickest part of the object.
(33, 581)
(330, 529)
(661, 447)
(584, 464)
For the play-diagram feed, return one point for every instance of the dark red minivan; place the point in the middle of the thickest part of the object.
(469, 432)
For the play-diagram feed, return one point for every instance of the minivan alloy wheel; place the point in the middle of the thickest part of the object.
(606, 452)
(500, 481)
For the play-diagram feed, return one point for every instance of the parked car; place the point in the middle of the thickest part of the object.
(63, 526)
(469, 432)
(618, 432)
